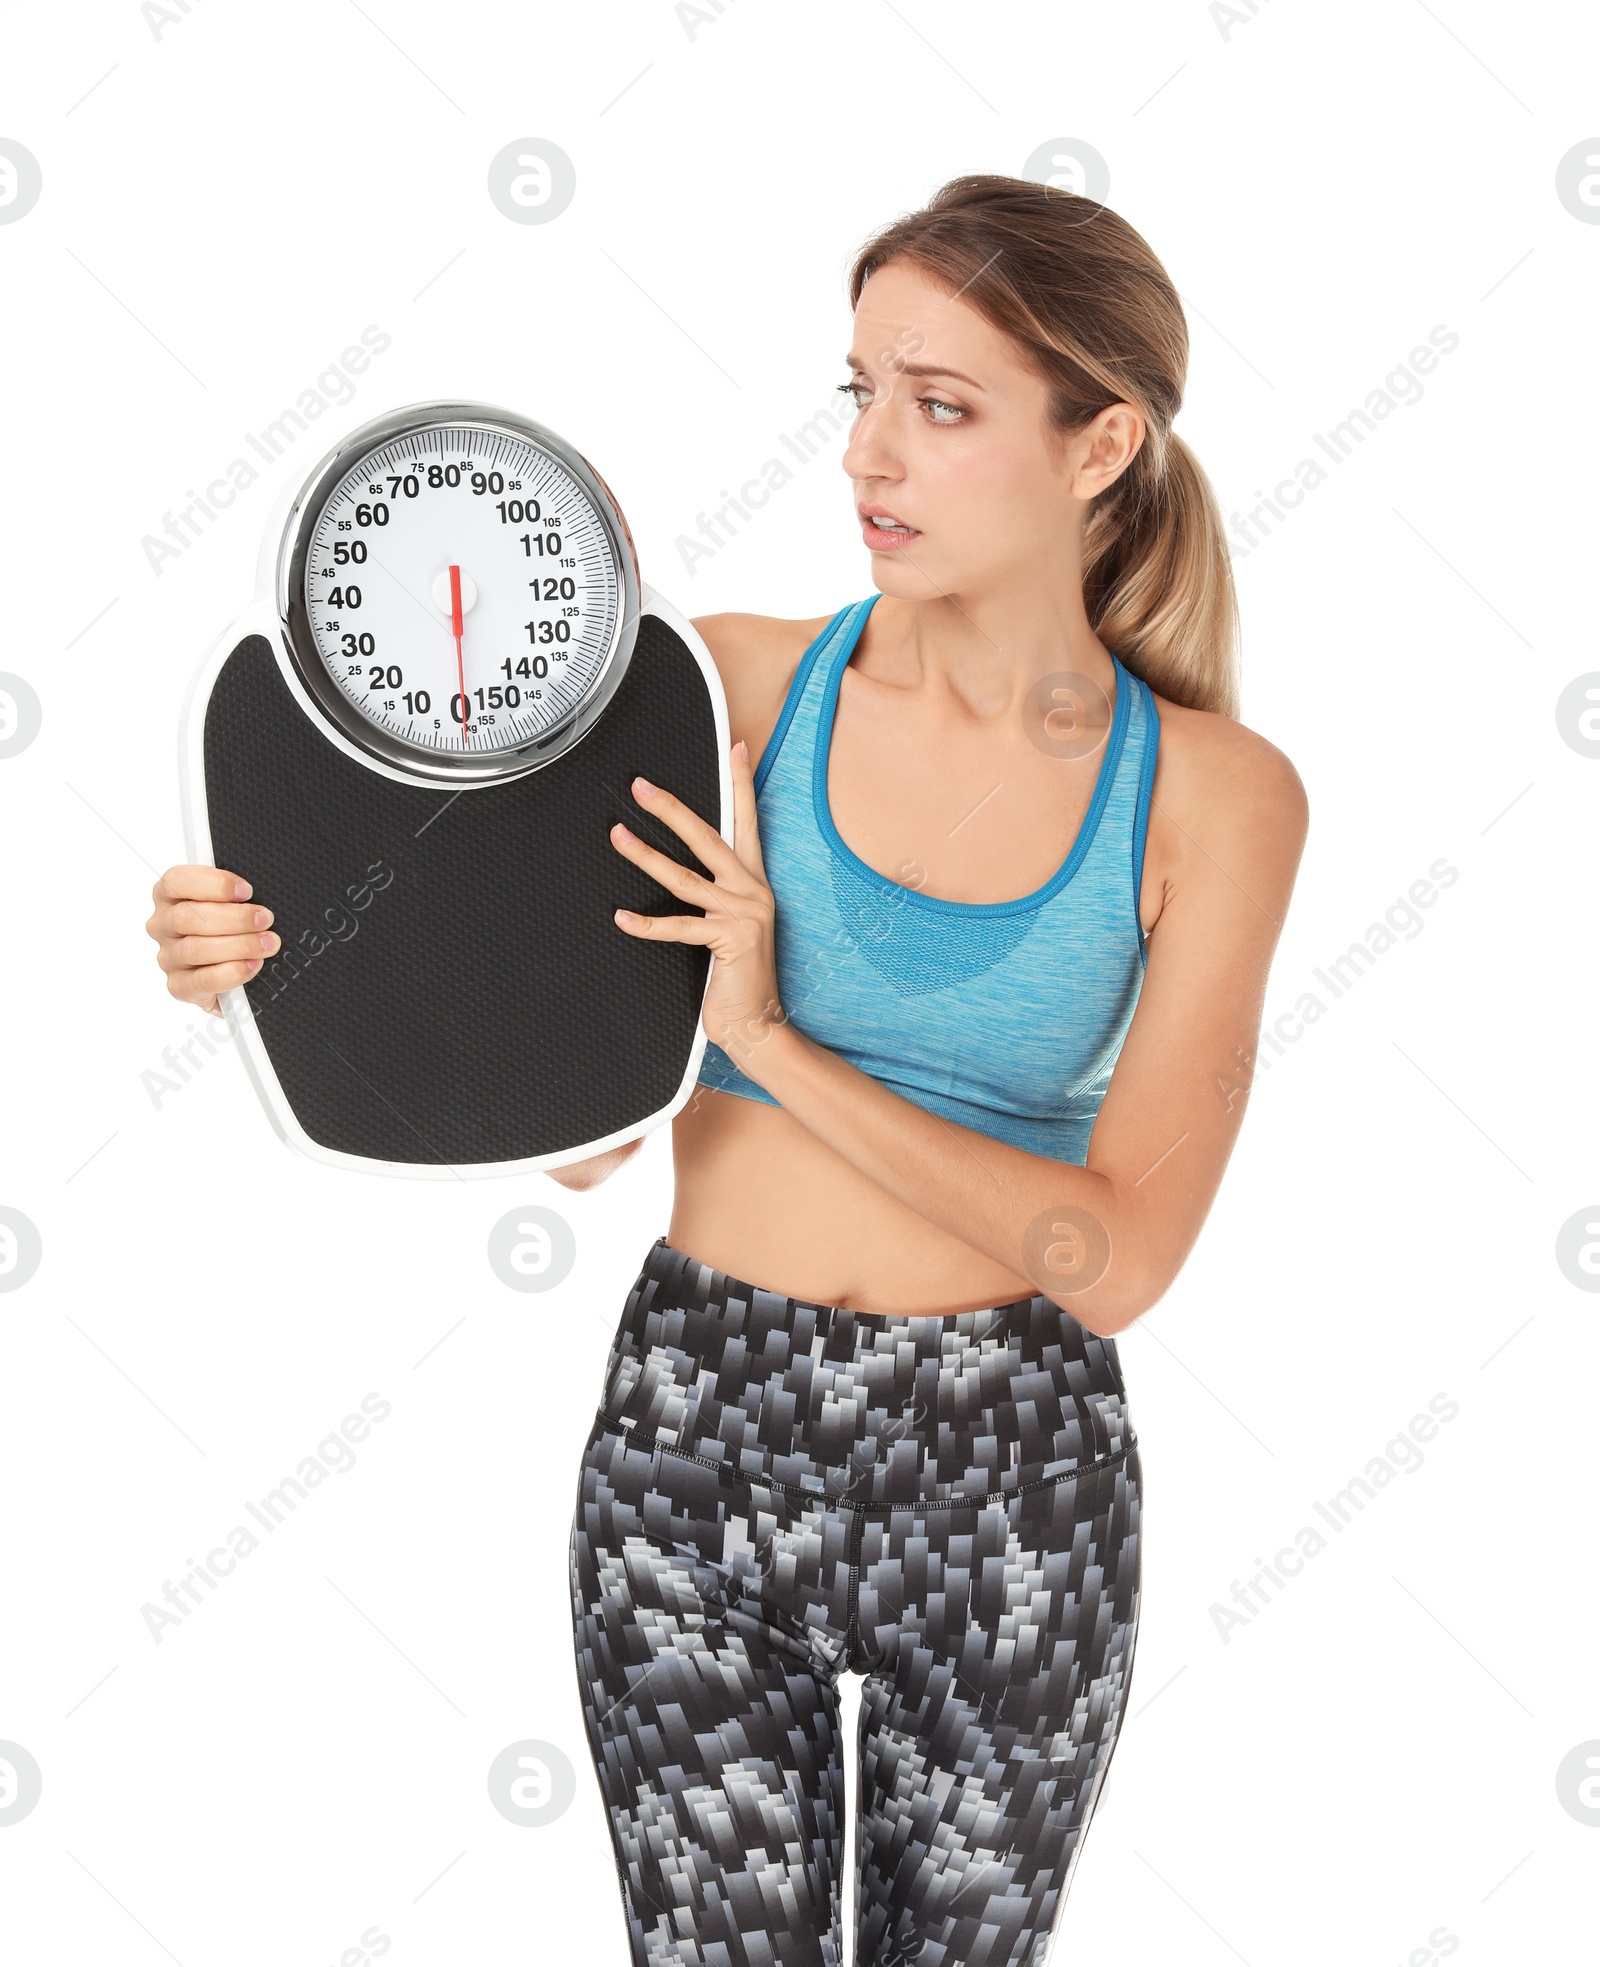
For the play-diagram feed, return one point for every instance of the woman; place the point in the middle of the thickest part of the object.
(957, 1120)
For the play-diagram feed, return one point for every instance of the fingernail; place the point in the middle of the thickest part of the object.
(253, 965)
(643, 785)
(269, 943)
(263, 918)
(744, 752)
(624, 915)
(619, 828)
(242, 891)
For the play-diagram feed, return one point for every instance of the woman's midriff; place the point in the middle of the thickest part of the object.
(759, 1196)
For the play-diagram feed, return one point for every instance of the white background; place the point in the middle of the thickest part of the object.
(226, 204)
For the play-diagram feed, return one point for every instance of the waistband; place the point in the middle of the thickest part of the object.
(859, 1409)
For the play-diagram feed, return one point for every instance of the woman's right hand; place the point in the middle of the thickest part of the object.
(210, 936)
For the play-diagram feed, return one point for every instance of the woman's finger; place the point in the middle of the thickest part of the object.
(192, 918)
(200, 952)
(195, 986)
(746, 829)
(666, 928)
(673, 876)
(697, 834)
(200, 884)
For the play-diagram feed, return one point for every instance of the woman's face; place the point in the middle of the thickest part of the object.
(952, 439)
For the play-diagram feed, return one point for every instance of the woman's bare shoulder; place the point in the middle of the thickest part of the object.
(756, 657)
(1225, 795)
(1208, 750)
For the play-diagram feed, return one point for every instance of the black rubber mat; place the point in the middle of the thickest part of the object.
(452, 989)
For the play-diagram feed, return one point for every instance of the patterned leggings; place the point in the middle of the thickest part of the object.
(776, 1492)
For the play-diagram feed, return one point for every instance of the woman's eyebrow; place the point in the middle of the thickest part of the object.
(922, 369)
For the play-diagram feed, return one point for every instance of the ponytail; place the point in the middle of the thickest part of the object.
(1158, 580)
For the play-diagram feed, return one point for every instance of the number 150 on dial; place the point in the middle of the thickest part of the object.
(455, 592)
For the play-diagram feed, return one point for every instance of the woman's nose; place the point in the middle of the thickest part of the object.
(868, 452)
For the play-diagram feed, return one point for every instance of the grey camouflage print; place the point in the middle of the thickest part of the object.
(774, 1493)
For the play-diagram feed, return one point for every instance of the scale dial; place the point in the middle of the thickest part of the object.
(459, 592)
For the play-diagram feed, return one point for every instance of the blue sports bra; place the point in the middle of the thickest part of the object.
(1006, 1017)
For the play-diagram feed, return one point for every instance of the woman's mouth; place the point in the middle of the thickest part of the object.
(883, 531)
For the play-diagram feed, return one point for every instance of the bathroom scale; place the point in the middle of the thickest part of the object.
(413, 745)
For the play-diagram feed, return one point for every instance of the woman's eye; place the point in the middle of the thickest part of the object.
(860, 393)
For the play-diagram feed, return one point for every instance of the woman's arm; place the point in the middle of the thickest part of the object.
(755, 656)
(597, 1169)
(1172, 1112)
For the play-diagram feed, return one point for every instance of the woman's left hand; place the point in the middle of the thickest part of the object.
(741, 1005)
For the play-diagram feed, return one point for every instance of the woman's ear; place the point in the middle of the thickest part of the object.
(1111, 440)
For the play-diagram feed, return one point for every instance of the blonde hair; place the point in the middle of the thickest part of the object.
(1091, 307)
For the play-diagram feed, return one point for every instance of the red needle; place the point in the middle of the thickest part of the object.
(456, 631)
